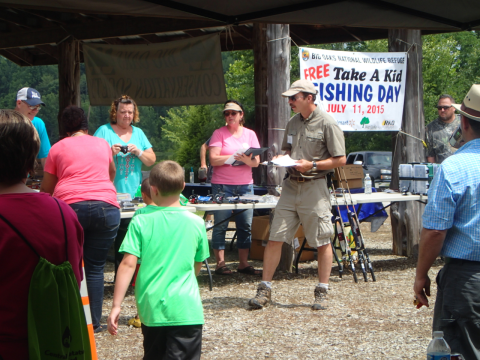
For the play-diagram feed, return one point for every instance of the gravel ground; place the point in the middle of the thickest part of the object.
(373, 320)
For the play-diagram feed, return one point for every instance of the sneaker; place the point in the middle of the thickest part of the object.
(263, 297)
(320, 297)
(208, 224)
(100, 329)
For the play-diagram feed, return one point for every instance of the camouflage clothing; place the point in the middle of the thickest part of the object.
(437, 134)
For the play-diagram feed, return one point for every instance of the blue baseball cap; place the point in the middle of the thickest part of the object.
(30, 96)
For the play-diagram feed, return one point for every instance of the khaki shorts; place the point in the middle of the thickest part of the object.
(306, 203)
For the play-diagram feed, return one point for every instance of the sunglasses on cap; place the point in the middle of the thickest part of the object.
(233, 113)
(36, 107)
(444, 107)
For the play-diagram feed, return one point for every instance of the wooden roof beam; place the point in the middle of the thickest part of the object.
(191, 10)
(101, 30)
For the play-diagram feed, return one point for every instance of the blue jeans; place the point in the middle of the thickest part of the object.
(100, 222)
(243, 220)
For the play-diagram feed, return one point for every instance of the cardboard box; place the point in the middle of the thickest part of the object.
(261, 228)
(353, 174)
(306, 255)
(260, 236)
(257, 250)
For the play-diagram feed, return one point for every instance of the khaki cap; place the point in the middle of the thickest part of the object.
(232, 106)
(305, 86)
(471, 103)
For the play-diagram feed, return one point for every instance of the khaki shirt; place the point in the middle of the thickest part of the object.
(316, 138)
(437, 134)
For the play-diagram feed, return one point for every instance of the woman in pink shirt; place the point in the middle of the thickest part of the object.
(80, 171)
(232, 181)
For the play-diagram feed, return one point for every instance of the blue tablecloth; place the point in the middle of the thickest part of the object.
(366, 210)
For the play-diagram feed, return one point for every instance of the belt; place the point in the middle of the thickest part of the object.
(449, 260)
(302, 179)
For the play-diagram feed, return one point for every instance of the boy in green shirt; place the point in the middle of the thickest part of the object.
(172, 244)
(151, 206)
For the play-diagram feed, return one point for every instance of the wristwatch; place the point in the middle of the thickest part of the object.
(314, 167)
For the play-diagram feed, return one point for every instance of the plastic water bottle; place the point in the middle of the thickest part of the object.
(192, 175)
(438, 348)
(368, 184)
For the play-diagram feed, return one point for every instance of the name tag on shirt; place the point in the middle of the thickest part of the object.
(289, 139)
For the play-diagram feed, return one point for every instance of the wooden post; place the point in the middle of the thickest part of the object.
(68, 77)
(406, 216)
(259, 42)
(278, 81)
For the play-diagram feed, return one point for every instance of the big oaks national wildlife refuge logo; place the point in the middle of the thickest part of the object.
(305, 55)
(365, 121)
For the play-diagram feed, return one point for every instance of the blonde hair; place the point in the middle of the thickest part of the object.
(124, 99)
(19, 146)
(168, 177)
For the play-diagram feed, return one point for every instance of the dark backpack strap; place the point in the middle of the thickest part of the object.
(19, 234)
(64, 229)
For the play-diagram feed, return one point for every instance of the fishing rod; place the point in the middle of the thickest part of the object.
(357, 234)
(342, 239)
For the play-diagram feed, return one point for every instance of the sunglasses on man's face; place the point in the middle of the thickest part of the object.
(294, 98)
(36, 107)
(233, 113)
(445, 108)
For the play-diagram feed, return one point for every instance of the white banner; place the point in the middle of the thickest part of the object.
(362, 91)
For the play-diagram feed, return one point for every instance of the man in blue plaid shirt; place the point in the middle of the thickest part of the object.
(451, 228)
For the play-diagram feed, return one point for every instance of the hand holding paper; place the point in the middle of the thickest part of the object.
(282, 161)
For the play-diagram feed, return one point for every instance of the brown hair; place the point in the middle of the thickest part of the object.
(145, 188)
(124, 99)
(168, 177)
(19, 146)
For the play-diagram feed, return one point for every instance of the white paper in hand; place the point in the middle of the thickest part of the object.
(282, 161)
(231, 159)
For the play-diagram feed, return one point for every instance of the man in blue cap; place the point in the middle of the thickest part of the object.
(29, 103)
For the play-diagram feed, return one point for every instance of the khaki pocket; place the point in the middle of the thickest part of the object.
(325, 226)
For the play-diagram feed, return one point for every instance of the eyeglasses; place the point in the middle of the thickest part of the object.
(233, 113)
(294, 98)
(445, 108)
(36, 107)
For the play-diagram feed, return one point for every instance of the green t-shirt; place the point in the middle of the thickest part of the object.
(168, 241)
(146, 210)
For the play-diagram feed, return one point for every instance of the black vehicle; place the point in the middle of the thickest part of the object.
(377, 164)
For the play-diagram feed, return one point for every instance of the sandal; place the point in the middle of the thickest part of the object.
(224, 270)
(250, 270)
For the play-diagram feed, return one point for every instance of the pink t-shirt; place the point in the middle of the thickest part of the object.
(81, 165)
(228, 174)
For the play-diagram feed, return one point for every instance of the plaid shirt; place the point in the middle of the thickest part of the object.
(454, 203)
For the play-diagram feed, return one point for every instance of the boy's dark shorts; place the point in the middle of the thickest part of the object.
(172, 342)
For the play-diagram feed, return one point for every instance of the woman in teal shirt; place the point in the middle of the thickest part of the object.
(120, 132)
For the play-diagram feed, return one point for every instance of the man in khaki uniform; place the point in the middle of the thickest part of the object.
(313, 137)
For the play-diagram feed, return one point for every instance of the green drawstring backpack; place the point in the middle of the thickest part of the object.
(57, 327)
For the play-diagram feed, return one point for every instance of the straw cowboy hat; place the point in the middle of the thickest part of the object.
(470, 107)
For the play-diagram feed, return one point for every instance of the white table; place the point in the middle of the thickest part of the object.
(357, 199)
(129, 214)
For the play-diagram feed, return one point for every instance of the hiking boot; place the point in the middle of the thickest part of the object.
(263, 297)
(320, 297)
